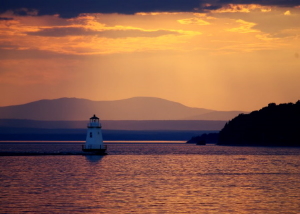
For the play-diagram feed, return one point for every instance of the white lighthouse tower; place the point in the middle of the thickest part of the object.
(94, 140)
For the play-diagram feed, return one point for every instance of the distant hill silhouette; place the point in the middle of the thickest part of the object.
(137, 108)
(274, 125)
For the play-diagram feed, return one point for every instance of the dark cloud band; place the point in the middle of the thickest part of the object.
(5, 19)
(71, 8)
(76, 31)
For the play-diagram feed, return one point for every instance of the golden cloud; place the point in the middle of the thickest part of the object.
(245, 27)
(242, 8)
(194, 21)
(91, 34)
(158, 13)
(85, 35)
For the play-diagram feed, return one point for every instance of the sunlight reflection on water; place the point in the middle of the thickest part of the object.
(169, 183)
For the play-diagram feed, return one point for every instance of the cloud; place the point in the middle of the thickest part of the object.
(195, 21)
(280, 3)
(71, 8)
(62, 31)
(94, 34)
(245, 27)
(242, 8)
(5, 19)
(78, 31)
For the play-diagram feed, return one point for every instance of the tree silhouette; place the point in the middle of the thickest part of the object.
(274, 125)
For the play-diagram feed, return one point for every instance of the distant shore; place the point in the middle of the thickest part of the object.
(109, 135)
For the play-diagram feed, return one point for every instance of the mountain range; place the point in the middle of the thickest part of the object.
(137, 108)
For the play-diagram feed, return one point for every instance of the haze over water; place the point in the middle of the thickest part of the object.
(152, 178)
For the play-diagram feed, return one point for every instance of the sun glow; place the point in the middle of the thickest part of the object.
(221, 59)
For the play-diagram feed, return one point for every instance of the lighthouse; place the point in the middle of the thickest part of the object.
(94, 141)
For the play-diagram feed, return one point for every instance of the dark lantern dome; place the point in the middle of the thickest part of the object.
(94, 117)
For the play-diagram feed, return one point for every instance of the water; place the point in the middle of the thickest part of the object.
(151, 178)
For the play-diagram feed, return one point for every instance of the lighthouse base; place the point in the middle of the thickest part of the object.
(101, 151)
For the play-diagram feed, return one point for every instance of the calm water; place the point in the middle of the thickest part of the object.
(151, 178)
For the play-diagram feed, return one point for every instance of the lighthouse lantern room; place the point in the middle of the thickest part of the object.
(94, 141)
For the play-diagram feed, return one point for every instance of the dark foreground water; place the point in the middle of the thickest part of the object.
(150, 178)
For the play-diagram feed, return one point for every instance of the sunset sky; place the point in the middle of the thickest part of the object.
(215, 54)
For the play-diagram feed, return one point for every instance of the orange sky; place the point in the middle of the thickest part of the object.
(239, 57)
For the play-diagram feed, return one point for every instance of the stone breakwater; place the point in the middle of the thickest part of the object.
(46, 153)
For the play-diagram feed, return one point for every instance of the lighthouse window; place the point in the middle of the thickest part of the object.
(91, 134)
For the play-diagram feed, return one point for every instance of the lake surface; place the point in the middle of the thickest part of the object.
(164, 177)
